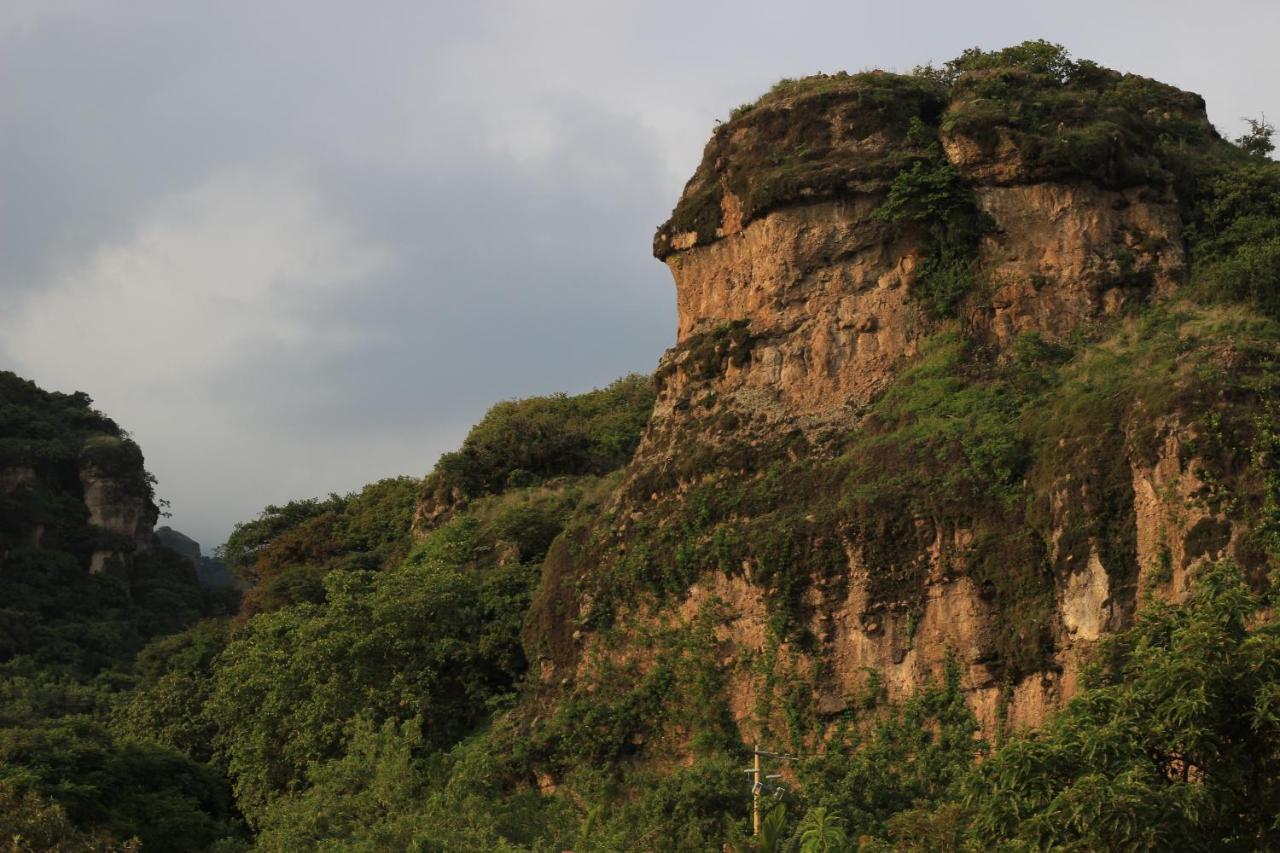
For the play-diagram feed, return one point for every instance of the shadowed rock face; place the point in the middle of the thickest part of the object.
(117, 508)
(798, 307)
(70, 479)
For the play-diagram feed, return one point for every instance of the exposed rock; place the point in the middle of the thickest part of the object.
(826, 293)
(120, 509)
(1065, 254)
(797, 307)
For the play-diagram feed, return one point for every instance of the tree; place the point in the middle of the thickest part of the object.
(822, 832)
(1174, 743)
(1257, 139)
(426, 640)
(29, 823)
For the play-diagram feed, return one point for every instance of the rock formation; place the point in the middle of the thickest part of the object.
(769, 488)
(70, 479)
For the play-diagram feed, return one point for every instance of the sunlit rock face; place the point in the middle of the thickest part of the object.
(798, 307)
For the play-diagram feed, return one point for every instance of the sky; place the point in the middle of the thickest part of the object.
(295, 247)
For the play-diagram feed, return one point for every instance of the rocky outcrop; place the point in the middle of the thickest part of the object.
(1066, 254)
(799, 305)
(120, 510)
(177, 541)
(823, 291)
(70, 479)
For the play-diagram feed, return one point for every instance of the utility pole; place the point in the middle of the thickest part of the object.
(756, 786)
(758, 778)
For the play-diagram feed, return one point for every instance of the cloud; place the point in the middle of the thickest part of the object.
(25, 18)
(186, 331)
(295, 246)
(211, 279)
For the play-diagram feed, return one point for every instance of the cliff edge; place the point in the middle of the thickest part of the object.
(946, 390)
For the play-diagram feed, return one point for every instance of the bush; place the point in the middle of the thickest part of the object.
(931, 194)
(128, 788)
(528, 441)
(426, 640)
(1235, 236)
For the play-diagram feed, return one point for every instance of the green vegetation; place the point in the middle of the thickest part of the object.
(960, 440)
(528, 669)
(1173, 744)
(29, 823)
(932, 195)
(822, 137)
(287, 550)
(843, 135)
(356, 644)
(1235, 235)
(1258, 140)
(428, 641)
(1075, 119)
(523, 442)
(68, 638)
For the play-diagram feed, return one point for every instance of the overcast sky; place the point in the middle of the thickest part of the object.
(294, 247)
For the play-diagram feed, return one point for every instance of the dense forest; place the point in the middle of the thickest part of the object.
(377, 684)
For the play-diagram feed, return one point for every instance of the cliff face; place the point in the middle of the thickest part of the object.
(825, 289)
(880, 448)
(70, 480)
(118, 508)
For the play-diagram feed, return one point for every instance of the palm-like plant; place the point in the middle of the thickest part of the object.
(823, 832)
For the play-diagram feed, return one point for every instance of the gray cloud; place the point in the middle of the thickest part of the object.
(295, 246)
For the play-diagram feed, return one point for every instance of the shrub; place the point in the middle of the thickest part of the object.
(543, 437)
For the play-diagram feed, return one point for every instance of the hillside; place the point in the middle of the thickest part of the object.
(938, 390)
(957, 493)
(84, 586)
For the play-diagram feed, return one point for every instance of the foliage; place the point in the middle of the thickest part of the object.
(129, 788)
(250, 537)
(426, 640)
(524, 442)
(288, 549)
(931, 194)
(64, 618)
(48, 429)
(820, 137)
(172, 687)
(1076, 119)
(29, 824)
(1174, 743)
(904, 756)
(389, 792)
(1235, 236)
(822, 832)
(1039, 57)
(1258, 139)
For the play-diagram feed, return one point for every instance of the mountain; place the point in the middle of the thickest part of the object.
(210, 571)
(939, 392)
(84, 587)
(954, 505)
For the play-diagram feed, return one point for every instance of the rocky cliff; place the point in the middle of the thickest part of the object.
(938, 397)
(70, 479)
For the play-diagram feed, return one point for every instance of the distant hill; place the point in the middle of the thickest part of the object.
(211, 571)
